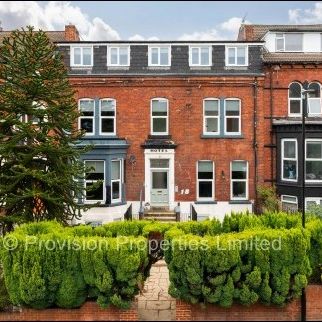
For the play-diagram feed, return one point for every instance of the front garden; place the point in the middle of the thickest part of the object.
(245, 259)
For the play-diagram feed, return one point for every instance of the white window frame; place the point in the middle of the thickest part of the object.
(72, 62)
(227, 47)
(238, 180)
(314, 99)
(205, 132)
(294, 99)
(228, 117)
(290, 202)
(106, 117)
(279, 37)
(153, 117)
(199, 49)
(284, 47)
(289, 159)
(311, 159)
(120, 181)
(91, 117)
(93, 181)
(316, 199)
(206, 180)
(109, 59)
(159, 55)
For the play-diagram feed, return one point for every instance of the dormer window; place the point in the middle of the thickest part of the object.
(289, 42)
(200, 56)
(82, 56)
(119, 56)
(159, 56)
(236, 55)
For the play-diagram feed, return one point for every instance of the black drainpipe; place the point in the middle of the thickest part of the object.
(271, 121)
(255, 145)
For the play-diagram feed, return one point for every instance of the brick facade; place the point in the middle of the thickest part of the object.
(256, 312)
(90, 311)
(133, 96)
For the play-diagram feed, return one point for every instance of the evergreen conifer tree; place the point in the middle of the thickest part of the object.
(39, 159)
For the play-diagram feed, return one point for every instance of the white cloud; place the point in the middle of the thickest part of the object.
(306, 16)
(226, 30)
(233, 24)
(211, 34)
(54, 15)
(138, 37)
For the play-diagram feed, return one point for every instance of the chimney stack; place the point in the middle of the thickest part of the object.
(71, 33)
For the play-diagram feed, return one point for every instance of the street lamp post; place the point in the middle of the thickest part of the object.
(305, 92)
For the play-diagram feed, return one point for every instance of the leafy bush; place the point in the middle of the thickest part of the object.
(268, 199)
(61, 269)
(226, 268)
(4, 296)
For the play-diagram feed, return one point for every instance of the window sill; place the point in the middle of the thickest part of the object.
(200, 67)
(220, 136)
(212, 202)
(104, 205)
(243, 202)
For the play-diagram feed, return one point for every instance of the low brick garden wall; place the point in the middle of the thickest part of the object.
(257, 312)
(90, 311)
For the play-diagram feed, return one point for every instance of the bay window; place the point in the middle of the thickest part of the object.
(86, 120)
(205, 180)
(289, 203)
(95, 181)
(239, 180)
(313, 162)
(116, 181)
(107, 116)
(159, 116)
(289, 159)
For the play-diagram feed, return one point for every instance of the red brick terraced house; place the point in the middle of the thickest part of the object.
(292, 61)
(172, 122)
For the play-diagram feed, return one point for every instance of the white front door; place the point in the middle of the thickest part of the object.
(159, 187)
(159, 181)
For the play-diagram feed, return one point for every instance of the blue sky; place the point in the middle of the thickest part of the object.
(170, 19)
(195, 20)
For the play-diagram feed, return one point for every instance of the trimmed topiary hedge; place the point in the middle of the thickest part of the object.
(239, 267)
(66, 275)
(59, 269)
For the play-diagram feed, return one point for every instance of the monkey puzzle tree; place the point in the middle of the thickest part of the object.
(39, 159)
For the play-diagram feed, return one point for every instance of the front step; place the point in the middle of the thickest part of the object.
(161, 215)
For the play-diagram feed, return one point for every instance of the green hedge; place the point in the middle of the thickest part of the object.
(66, 276)
(216, 271)
(65, 273)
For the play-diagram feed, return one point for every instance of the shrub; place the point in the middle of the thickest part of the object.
(226, 268)
(4, 296)
(62, 269)
(268, 199)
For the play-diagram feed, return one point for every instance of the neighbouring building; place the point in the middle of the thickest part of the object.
(69, 34)
(292, 62)
(171, 122)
